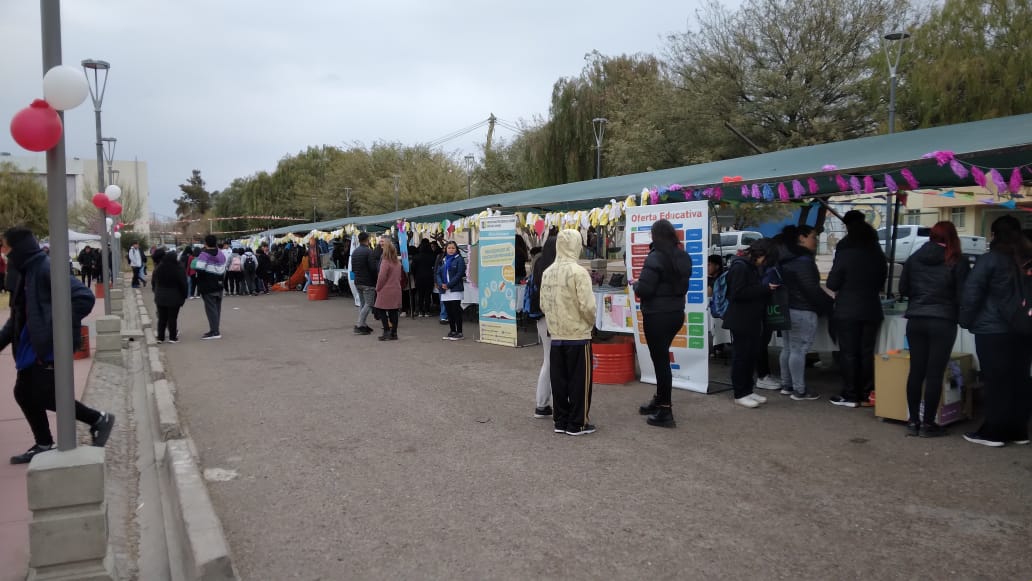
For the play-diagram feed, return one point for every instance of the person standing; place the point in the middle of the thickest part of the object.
(988, 307)
(210, 266)
(807, 302)
(265, 279)
(747, 305)
(423, 274)
(30, 332)
(169, 283)
(136, 263)
(544, 384)
(364, 271)
(85, 259)
(857, 277)
(662, 288)
(569, 308)
(449, 278)
(250, 285)
(390, 281)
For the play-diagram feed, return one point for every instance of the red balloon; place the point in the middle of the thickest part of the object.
(114, 208)
(101, 201)
(36, 127)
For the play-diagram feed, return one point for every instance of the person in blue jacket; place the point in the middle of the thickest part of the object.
(448, 278)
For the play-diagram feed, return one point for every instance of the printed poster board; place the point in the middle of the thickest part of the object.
(689, 352)
(496, 280)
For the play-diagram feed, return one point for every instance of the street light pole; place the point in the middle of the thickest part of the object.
(470, 163)
(97, 88)
(396, 178)
(896, 39)
(347, 199)
(598, 125)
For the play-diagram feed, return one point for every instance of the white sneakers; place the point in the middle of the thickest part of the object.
(759, 398)
(768, 382)
(751, 401)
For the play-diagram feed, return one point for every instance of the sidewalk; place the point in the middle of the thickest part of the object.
(15, 438)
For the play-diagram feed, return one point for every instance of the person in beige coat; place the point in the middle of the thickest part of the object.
(569, 308)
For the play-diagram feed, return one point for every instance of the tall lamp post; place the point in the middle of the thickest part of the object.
(896, 40)
(397, 178)
(347, 199)
(598, 124)
(470, 163)
(109, 159)
(98, 84)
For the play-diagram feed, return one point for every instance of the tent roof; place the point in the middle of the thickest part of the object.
(1005, 142)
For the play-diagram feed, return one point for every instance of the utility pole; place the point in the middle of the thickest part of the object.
(347, 198)
(396, 179)
(470, 162)
(598, 124)
(897, 39)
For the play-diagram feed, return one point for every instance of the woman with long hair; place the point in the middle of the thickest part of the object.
(807, 301)
(170, 292)
(661, 287)
(932, 280)
(389, 284)
(450, 272)
(988, 307)
(544, 385)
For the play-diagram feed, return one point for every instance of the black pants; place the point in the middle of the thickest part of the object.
(660, 329)
(423, 293)
(570, 372)
(745, 344)
(34, 392)
(213, 310)
(857, 340)
(389, 318)
(1005, 360)
(454, 309)
(136, 276)
(762, 354)
(168, 317)
(931, 343)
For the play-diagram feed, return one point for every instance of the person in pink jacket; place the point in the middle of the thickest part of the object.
(389, 284)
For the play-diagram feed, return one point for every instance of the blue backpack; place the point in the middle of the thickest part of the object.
(718, 302)
(528, 298)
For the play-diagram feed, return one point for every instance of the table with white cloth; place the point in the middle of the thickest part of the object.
(335, 274)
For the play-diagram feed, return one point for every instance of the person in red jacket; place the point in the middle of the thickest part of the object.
(389, 283)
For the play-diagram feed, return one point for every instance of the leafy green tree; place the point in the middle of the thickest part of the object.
(83, 216)
(195, 200)
(24, 200)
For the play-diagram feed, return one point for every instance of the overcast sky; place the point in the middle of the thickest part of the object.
(230, 87)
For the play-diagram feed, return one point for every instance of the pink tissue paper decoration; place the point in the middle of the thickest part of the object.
(978, 175)
(687, 194)
(797, 189)
(782, 192)
(868, 185)
(745, 192)
(941, 157)
(1015, 181)
(812, 185)
(843, 185)
(854, 183)
(890, 183)
(829, 167)
(910, 179)
(674, 187)
(718, 193)
(958, 169)
(756, 191)
(653, 197)
(1001, 186)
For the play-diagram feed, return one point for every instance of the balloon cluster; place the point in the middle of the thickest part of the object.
(106, 201)
(38, 127)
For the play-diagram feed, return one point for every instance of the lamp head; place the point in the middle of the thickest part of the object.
(95, 64)
(897, 35)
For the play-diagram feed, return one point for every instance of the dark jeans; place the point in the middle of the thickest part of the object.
(213, 310)
(136, 276)
(1005, 360)
(931, 343)
(454, 309)
(389, 318)
(423, 303)
(660, 329)
(762, 354)
(168, 317)
(34, 392)
(570, 373)
(857, 340)
(745, 344)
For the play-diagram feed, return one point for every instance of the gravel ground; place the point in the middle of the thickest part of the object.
(419, 459)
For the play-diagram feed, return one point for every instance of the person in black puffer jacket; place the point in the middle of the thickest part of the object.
(807, 301)
(1004, 355)
(662, 287)
(363, 267)
(170, 291)
(746, 309)
(857, 277)
(933, 278)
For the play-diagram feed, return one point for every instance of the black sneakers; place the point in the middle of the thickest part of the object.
(27, 456)
(806, 396)
(932, 431)
(102, 429)
(842, 402)
(209, 335)
(542, 413)
(580, 430)
(913, 429)
(560, 428)
(976, 438)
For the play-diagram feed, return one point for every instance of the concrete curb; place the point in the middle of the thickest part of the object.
(165, 409)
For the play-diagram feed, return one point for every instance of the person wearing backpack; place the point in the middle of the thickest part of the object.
(250, 285)
(746, 302)
(542, 409)
(235, 272)
(995, 307)
(661, 288)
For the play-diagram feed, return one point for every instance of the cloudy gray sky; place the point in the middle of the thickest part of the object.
(230, 87)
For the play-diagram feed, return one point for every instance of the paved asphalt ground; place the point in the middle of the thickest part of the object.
(419, 459)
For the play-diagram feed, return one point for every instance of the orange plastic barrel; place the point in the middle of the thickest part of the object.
(98, 290)
(84, 350)
(612, 362)
(318, 292)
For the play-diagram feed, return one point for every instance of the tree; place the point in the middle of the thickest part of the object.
(195, 201)
(83, 216)
(24, 200)
(968, 61)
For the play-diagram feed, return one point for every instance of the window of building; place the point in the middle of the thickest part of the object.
(957, 216)
(913, 217)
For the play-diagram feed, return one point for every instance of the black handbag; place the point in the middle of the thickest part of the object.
(778, 317)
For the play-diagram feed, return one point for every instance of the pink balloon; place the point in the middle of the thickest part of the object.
(36, 127)
(114, 208)
(539, 227)
(101, 201)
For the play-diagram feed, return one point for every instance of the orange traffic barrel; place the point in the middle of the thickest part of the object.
(98, 289)
(613, 361)
(318, 292)
(84, 350)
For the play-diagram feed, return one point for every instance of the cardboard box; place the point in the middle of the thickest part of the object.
(890, 385)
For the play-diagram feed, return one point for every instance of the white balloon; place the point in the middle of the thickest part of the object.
(118, 234)
(65, 87)
(110, 222)
(113, 192)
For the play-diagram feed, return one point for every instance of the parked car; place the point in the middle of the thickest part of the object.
(729, 244)
(909, 238)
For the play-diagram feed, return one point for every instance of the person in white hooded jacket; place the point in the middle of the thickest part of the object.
(569, 308)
